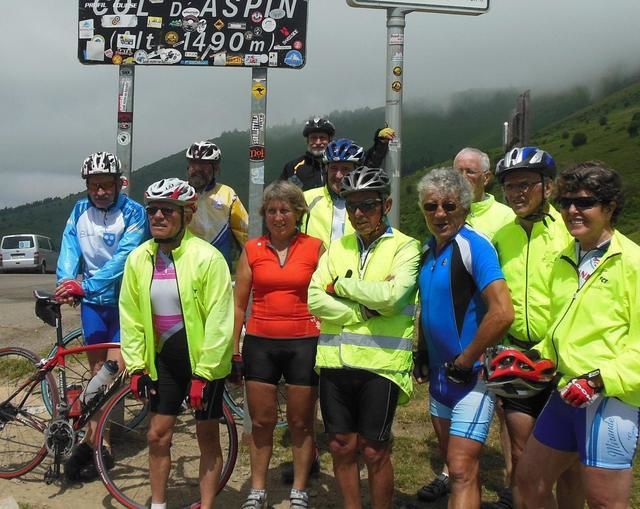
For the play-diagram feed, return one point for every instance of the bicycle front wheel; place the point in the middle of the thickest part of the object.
(128, 479)
(23, 413)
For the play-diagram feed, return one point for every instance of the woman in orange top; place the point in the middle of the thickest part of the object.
(281, 336)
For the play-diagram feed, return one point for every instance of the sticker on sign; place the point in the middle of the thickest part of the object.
(472, 7)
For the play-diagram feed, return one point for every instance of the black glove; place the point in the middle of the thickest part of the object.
(421, 364)
(237, 369)
(456, 374)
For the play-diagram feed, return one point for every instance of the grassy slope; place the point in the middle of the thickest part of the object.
(610, 143)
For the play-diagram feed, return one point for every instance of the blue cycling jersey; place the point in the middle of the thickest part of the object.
(451, 283)
(97, 242)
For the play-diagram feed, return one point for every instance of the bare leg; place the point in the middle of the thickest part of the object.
(262, 408)
(463, 458)
(159, 438)
(344, 451)
(569, 491)
(519, 426)
(208, 434)
(505, 444)
(607, 488)
(301, 408)
(377, 456)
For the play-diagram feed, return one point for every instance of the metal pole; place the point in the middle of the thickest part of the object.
(124, 137)
(257, 124)
(393, 110)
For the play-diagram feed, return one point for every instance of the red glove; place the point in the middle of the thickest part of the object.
(197, 392)
(142, 386)
(73, 288)
(579, 393)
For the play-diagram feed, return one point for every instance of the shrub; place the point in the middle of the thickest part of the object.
(634, 125)
(579, 139)
(565, 135)
(603, 120)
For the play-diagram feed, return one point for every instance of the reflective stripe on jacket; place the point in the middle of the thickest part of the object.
(383, 279)
(598, 325)
(204, 287)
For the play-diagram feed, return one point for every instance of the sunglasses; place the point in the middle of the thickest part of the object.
(364, 206)
(432, 207)
(107, 186)
(166, 211)
(579, 202)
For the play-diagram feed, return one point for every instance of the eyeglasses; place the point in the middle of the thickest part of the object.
(364, 206)
(579, 202)
(165, 211)
(521, 187)
(446, 206)
(105, 186)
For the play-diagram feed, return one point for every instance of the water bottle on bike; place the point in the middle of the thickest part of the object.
(101, 381)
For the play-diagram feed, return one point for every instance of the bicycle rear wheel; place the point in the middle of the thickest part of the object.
(23, 414)
(128, 480)
(77, 371)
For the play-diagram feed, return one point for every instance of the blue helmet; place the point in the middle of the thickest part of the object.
(343, 150)
(526, 159)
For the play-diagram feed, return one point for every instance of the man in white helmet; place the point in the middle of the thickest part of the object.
(103, 228)
(220, 218)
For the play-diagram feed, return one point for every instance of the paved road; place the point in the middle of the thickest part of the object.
(18, 322)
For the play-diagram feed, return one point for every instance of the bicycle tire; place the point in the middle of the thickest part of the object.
(234, 397)
(24, 417)
(128, 480)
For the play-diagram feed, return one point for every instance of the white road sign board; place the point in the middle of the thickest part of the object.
(471, 7)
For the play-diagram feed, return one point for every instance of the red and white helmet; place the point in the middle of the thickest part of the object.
(172, 190)
(511, 373)
(204, 151)
(100, 163)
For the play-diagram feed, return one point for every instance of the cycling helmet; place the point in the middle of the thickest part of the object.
(526, 159)
(511, 373)
(204, 151)
(343, 150)
(364, 178)
(320, 124)
(171, 190)
(100, 163)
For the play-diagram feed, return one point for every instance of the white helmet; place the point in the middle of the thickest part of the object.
(172, 190)
(204, 151)
(100, 163)
(364, 178)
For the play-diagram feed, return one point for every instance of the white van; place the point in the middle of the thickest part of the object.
(27, 252)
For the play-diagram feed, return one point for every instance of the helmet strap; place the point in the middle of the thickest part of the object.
(178, 236)
(540, 214)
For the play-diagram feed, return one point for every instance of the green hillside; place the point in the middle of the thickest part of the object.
(606, 125)
(429, 137)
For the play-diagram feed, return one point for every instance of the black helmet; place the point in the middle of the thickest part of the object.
(526, 159)
(318, 124)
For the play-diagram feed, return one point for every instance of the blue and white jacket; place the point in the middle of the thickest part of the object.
(98, 241)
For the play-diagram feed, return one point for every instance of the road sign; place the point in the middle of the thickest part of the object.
(471, 7)
(253, 33)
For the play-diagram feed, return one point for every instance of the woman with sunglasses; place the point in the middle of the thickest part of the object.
(281, 337)
(465, 308)
(595, 341)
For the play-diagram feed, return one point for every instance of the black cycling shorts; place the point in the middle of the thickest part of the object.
(531, 406)
(358, 401)
(268, 360)
(174, 377)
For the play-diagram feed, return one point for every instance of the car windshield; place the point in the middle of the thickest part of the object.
(17, 242)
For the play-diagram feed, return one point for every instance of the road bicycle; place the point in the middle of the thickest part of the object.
(31, 431)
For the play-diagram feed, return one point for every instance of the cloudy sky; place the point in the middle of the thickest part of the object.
(56, 111)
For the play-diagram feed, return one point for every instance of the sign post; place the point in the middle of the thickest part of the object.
(396, 12)
(257, 148)
(124, 136)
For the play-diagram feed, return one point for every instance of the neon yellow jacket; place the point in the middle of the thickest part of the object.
(526, 262)
(488, 216)
(318, 222)
(598, 326)
(384, 281)
(204, 285)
